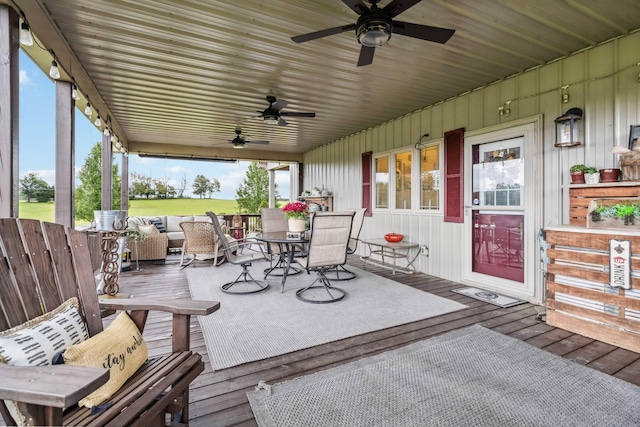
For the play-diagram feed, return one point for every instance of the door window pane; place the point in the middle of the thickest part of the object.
(430, 178)
(382, 182)
(403, 180)
(498, 173)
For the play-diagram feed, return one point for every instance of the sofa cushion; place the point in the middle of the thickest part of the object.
(159, 224)
(148, 229)
(173, 222)
(201, 218)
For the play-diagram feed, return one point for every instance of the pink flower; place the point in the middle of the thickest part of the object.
(297, 210)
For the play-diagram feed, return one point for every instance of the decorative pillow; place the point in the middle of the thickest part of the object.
(148, 229)
(135, 221)
(120, 348)
(35, 342)
(159, 224)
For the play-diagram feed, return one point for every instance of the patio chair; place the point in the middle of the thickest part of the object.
(273, 220)
(235, 255)
(340, 272)
(327, 249)
(199, 239)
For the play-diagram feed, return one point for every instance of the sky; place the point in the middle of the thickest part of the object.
(37, 143)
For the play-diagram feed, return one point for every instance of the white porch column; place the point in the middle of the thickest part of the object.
(272, 188)
(124, 184)
(65, 155)
(107, 173)
(9, 111)
(294, 181)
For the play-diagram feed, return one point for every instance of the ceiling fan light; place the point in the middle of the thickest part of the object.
(373, 33)
(238, 145)
(272, 120)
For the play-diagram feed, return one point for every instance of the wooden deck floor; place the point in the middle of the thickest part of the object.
(218, 398)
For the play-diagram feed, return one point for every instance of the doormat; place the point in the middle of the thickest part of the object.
(490, 297)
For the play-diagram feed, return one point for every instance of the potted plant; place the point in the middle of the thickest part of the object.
(609, 175)
(297, 213)
(591, 175)
(577, 174)
(616, 215)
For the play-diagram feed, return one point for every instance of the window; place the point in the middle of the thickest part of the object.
(403, 180)
(498, 173)
(430, 178)
(382, 182)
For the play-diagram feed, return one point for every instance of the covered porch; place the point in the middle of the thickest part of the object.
(218, 398)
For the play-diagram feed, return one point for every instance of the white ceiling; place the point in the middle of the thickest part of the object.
(177, 76)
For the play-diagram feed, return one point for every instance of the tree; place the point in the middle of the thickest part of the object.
(201, 186)
(141, 185)
(183, 185)
(253, 193)
(214, 186)
(89, 192)
(31, 186)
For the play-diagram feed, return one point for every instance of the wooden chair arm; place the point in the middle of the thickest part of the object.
(176, 306)
(59, 386)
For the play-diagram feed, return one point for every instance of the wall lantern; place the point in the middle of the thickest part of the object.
(569, 128)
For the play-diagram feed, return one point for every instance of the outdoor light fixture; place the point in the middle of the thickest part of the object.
(105, 132)
(54, 72)
(26, 38)
(569, 128)
(373, 31)
(74, 92)
(87, 109)
(98, 122)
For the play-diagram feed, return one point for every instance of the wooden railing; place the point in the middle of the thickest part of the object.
(250, 222)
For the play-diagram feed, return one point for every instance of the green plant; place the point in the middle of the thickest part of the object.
(627, 212)
(578, 168)
(590, 170)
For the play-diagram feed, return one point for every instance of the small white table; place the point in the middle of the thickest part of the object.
(394, 251)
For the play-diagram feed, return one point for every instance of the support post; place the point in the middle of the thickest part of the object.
(107, 173)
(124, 184)
(65, 155)
(9, 111)
(272, 188)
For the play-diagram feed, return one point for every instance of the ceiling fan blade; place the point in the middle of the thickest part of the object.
(424, 32)
(323, 33)
(396, 7)
(357, 6)
(282, 122)
(297, 114)
(366, 55)
(280, 104)
(257, 142)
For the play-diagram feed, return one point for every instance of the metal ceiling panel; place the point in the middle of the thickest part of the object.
(177, 76)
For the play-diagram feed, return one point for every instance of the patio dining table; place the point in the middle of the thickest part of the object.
(287, 243)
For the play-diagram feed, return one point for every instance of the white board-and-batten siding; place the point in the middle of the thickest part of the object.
(603, 81)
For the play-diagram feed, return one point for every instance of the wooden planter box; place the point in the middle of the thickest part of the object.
(611, 223)
(579, 298)
(581, 195)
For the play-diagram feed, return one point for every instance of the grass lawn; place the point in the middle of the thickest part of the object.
(46, 211)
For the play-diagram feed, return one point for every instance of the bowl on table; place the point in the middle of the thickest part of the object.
(393, 237)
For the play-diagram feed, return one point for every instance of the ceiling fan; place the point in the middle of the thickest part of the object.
(273, 113)
(375, 25)
(239, 141)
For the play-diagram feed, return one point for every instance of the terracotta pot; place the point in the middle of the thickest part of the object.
(609, 175)
(577, 177)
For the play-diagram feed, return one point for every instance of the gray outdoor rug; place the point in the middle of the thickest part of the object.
(270, 323)
(468, 377)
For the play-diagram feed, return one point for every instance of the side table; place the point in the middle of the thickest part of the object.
(393, 252)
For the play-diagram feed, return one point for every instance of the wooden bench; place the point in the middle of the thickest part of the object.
(43, 265)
